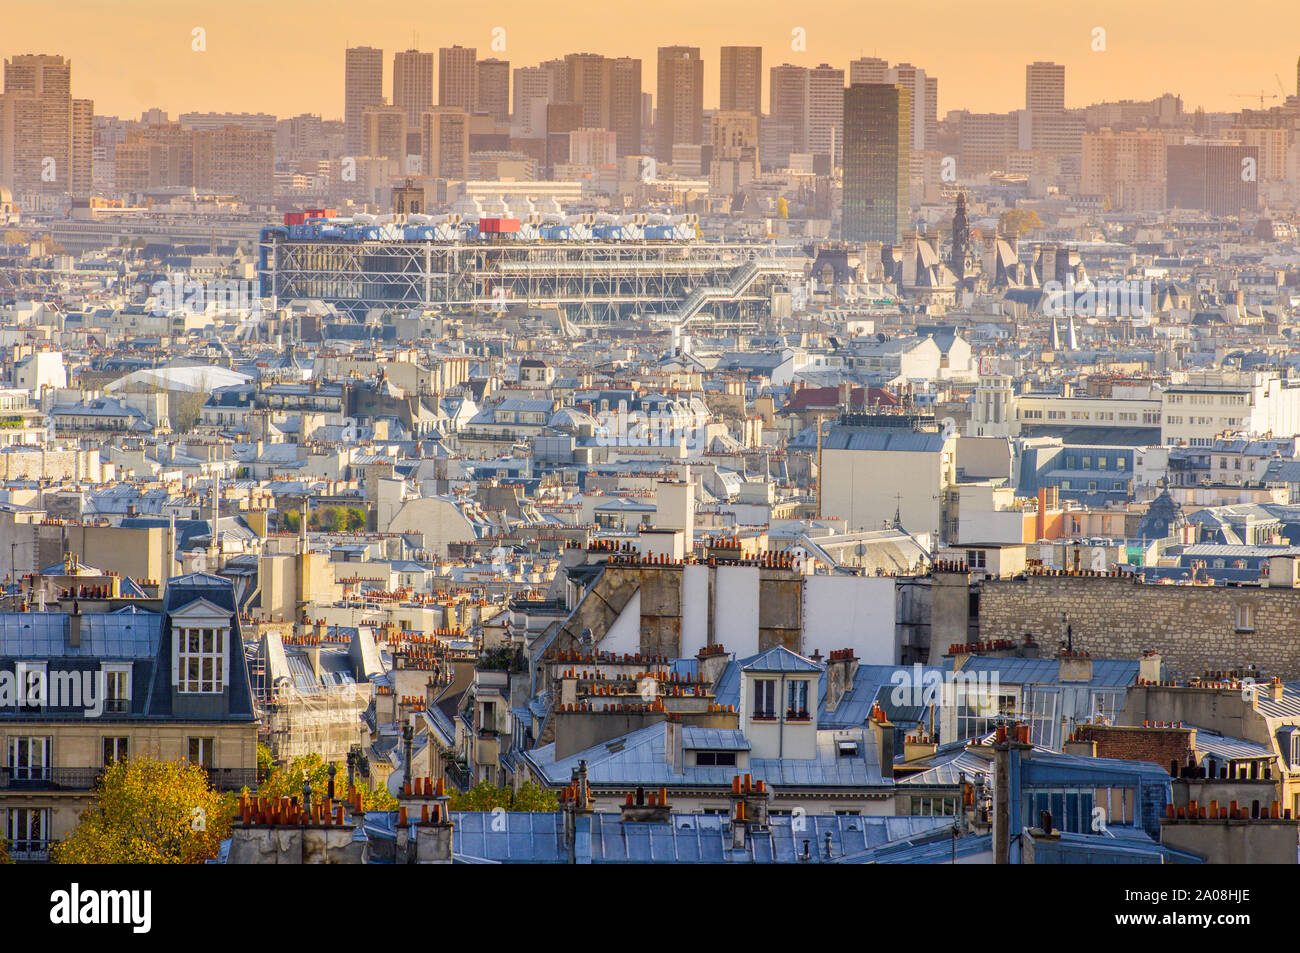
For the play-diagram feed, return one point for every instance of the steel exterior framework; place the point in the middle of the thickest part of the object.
(592, 281)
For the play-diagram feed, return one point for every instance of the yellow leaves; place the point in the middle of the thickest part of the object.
(485, 796)
(1015, 222)
(287, 782)
(149, 812)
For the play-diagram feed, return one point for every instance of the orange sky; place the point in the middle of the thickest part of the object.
(286, 56)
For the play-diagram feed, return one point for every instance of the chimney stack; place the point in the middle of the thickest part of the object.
(841, 669)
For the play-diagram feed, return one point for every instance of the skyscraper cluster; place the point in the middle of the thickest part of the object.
(46, 136)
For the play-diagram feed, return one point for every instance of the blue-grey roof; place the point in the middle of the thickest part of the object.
(695, 737)
(481, 837)
(44, 635)
(1231, 749)
(780, 659)
(1106, 673)
(895, 439)
(638, 758)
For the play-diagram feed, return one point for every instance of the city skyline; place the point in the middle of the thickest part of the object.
(980, 59)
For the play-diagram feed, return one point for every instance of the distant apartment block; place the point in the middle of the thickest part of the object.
(1218, 178)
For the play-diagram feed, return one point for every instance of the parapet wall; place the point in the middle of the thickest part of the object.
(1195, 628)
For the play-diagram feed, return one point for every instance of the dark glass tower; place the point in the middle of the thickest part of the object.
(877, 158)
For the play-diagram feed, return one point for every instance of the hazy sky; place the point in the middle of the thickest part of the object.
(286, 56)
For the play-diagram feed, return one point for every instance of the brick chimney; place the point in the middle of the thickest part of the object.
(883, 729)
(840, 671)
(642, 808)
(1149, 666)
(1075, 666)
(712, 662)
(748, 807)
(1010, 746)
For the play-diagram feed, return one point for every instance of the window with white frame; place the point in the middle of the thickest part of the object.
(33, 683)
(764, 698)
(797, 698)
(29, 757)
(1245, 617)
(202, 751)
(117, 686)
(28, 830)
(201, 660)
(933, 806)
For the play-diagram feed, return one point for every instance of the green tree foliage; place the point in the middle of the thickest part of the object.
(149, 812)
(265, 763)
(328, 519)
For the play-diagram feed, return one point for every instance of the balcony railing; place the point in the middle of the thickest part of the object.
(49, 779)
(83, 779)
(232, 779)
(459, 776)
(37, 854)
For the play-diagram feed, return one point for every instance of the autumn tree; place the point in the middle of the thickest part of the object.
(146, 811)
(486, 796)
(1015, 222)
(287, 781)
(265, 762)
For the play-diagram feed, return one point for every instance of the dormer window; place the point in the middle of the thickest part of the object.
(201, 661)
(765, 698)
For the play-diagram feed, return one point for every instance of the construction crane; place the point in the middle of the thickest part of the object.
(1262, 96)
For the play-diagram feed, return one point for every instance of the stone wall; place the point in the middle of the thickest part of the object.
(1193, 627)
